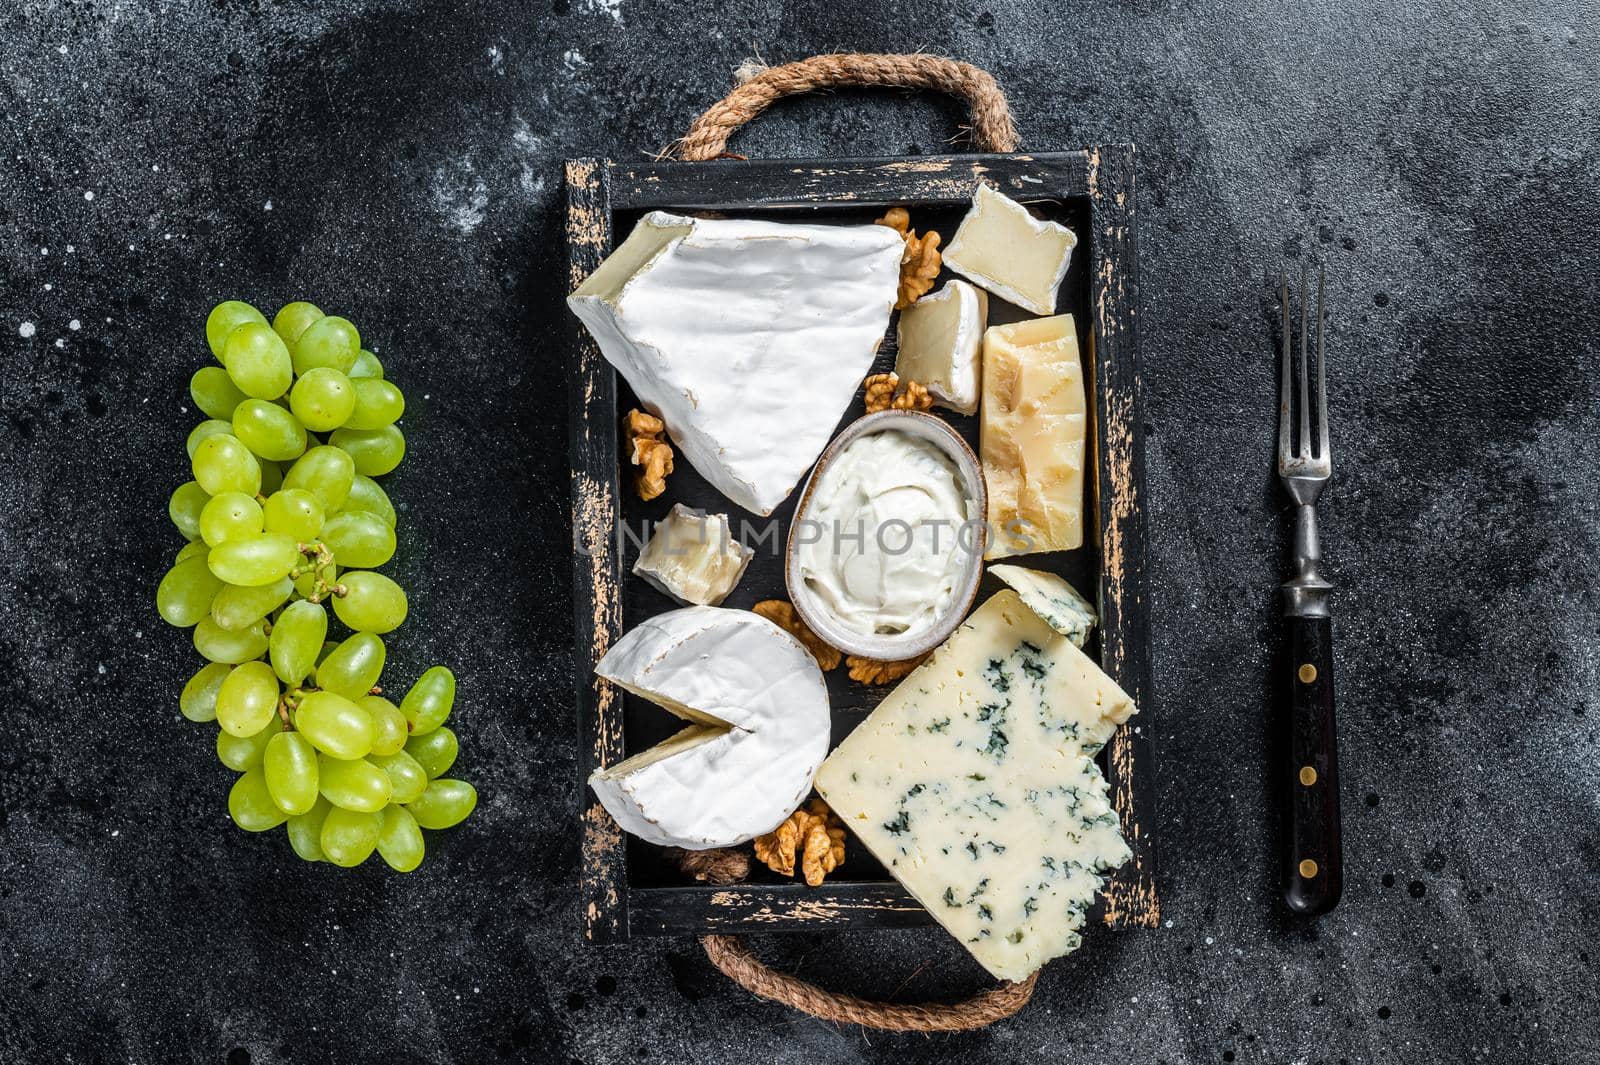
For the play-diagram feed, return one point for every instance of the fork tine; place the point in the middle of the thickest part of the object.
(1284, 405)
(1305, 406)
(1322, 371)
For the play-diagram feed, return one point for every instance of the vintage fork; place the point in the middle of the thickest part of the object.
(1314, 876)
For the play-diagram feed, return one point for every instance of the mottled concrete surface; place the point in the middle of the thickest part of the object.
(399, 161)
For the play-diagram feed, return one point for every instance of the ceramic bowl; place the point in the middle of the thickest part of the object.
(895, 647)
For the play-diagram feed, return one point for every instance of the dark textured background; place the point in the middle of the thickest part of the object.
(398, 162)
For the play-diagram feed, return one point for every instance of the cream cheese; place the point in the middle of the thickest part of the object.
(880, 545)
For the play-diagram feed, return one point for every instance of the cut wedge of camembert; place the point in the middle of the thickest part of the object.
(941, 340)
(747, 338)
(1053, 599)
(693, 557)
(1018, 257)
(758, 719)
(974, 782)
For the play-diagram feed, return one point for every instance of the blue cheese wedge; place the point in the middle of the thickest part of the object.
(1053, 599)
(974, 783)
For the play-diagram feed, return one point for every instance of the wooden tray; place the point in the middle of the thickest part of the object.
(628, 887)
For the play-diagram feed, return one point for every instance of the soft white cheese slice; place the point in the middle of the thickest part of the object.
(974, 783)
(758, 713)
(941, 341)
(1053, 599)
(1018, 257)
(748, 338)
(693, 557)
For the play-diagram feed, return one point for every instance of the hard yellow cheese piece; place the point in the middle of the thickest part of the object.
(974, 784)
(1032, 437)
(1018, 257)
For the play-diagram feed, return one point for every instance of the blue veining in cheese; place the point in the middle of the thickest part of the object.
(1053, 599)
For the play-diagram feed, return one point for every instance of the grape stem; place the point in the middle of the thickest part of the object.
(321, 560)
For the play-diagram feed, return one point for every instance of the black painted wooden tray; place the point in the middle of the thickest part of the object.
(628, 888)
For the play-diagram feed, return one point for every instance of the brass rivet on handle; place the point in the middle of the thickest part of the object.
(1308, 869)
(1308, 775)
(1308, 673)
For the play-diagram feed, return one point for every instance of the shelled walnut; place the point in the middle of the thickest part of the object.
(872, 671)
(919, 263)
(782, 614)
(649, 452)
(883, 392)
(814, 833)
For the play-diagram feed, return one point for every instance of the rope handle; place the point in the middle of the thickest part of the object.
(729, 954)
(761, 87)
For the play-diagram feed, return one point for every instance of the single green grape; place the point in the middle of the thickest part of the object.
(295, 318)
(248, 699)
(407, 779)
(429, 701)
(434, 751)
(258, 361)
(446, 802)
(251, 561)
(366, 494)
(235, 607)
(305, 831)
(400, 840)
(366, 365)
(268, 430)
(199, 699)
(378, 403)
(290, 763)
(376, 452)
(388, 724)
(229, 516)
(242, 753)
(271, 477)
(330, 341)
(224, 318)
(250, 803)
(184, 508)
(297, 636)
(371, 602)
(190, 550)
(353, 667)
(222, 463)
(353, 783)
(184, 595)
(214, 392)
(326, 472)
(217, 644)
(359, 539)
(294, 512)
(209, 427)
(349, 837)
(335, 726)
(323, 398)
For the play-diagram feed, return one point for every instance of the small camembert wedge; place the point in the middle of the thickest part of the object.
(1018, 257)
(1053, 599)
(748, 338)
(757, 709)
(974, 783)
(1031, 439)
(693, 557)
(941, 343)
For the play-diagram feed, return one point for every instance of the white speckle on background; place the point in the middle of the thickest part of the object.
(61, 48)
(74, 325)
(26, 329)
(607, 7)
(460, 197)
(573, 60)
(88, 194)
(61, 342)
(267, 206)
(496, 59)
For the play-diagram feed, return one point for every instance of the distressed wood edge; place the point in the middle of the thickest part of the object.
(597, 598)
(1130, 896)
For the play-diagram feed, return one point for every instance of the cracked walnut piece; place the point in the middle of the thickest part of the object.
(881, 389)
(782, 614)
(872, 671)
(815, 833)
(919, 263)
(649, 452)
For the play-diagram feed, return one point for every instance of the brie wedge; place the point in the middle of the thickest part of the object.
(757, 713)
(1056, 602)
(941, 339)
(693, 557)
(1018, 257)
(748, 338)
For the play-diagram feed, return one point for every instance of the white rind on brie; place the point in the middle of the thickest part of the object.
(748, 338)
(758, 719)
(941, 341)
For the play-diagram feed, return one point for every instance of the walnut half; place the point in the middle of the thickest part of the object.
(814, 833)
(883, 392)
(872, 671)
(919, 263)
(649, 452)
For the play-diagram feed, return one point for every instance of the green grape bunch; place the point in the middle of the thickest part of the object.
(283, 521)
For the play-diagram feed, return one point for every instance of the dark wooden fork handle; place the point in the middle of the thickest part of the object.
(1314, 877)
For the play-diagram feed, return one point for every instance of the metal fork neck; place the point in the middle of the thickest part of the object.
(1305, 595)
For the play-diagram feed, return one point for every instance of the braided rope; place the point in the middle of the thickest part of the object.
(992, 129)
